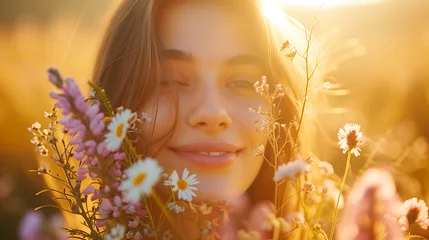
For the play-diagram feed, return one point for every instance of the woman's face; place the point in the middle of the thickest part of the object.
(213, 58)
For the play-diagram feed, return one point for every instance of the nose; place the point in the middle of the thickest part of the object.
(210, 114)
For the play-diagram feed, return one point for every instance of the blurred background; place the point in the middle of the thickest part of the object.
(377, 67)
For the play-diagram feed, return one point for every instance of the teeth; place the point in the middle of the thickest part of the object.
(216, 153)
(212, 153)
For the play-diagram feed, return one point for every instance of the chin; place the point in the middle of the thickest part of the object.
(217, 194)
(216, 189)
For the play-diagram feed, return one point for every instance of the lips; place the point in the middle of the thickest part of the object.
(208, 154)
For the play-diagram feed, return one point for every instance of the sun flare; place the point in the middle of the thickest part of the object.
(313, 3)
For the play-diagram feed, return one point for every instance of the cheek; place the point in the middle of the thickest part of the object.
(250, 122)
(163, 114)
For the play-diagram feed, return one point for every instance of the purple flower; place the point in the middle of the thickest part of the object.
(30, 226)
(88, 190)
(368, 207)
(54, 77)
(79, 116)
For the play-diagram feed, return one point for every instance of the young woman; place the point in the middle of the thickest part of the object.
(192, 66)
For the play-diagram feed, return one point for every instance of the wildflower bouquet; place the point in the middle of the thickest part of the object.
(110, 186)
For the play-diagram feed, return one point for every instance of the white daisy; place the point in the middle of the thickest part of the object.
(116, 233)
(118, 130)
(292, 170)
(177, 206)
(142, 176)
(414, 211)
(183, 185)
(350, 138)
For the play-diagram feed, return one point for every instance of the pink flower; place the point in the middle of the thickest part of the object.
(102, 149)
(78, 156)
(119, 156)
(96, 195)
(258, 217)
(64, 104)
(88, 190)
(54, 77)
(105, 207)
(100, 222)
(133, 224)
(72, 89)
(372, 198)
(30, 226)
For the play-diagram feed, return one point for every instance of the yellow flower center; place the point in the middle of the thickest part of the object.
(181, 204)
(119, 130)
(182, 184)
(139, 179)
(107, 120)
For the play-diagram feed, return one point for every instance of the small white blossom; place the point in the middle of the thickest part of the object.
(259, 150)
(292, 170)
(43, 151)
(34, 127)
(145, 117)
(331, 192)
(42, 170)
(326, 168)
(116, 233)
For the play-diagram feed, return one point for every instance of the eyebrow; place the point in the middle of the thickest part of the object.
(245, 59)
(174, 54)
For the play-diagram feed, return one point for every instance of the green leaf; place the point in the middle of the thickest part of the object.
(103, 98)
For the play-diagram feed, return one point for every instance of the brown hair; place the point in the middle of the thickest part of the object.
(129, 62)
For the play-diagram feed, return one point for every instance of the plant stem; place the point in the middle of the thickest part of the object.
(302, 203)
(152, 223)
(82, 212)
(167, 214)
(276, 233)
(349, 153)
(319, 210)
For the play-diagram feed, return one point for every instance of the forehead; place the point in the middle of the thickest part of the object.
(209, 31)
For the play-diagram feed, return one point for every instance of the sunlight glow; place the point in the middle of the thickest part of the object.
(325, 3)
(271, 9)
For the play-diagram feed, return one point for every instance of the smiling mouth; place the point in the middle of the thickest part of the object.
(208, 155)
(213, 154)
